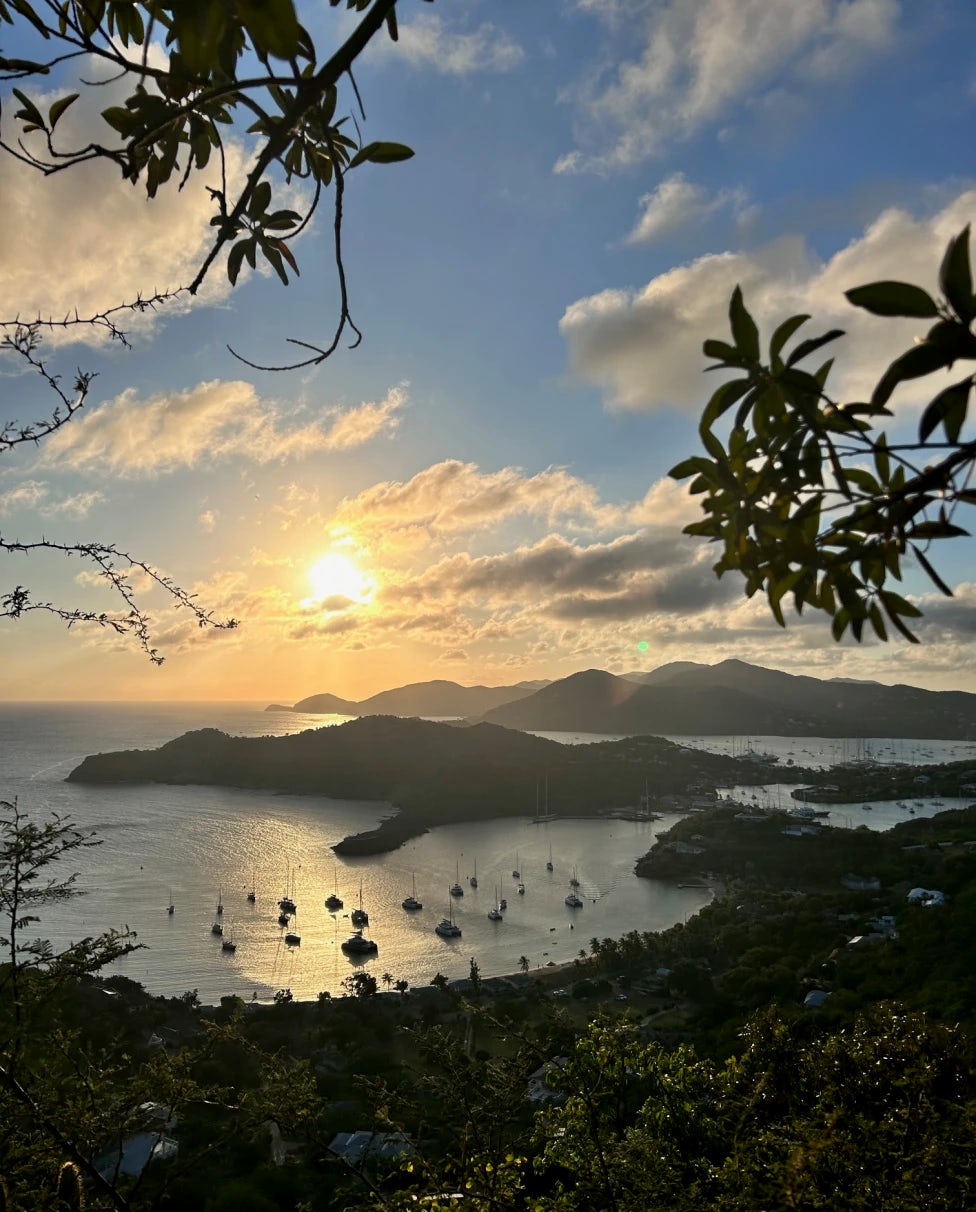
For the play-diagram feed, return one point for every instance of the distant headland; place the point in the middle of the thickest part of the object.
(681, 699)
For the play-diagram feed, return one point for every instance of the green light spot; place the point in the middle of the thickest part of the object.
(642, 645)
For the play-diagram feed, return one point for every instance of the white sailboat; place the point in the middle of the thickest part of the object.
(572, 900)
(495, 912)
(447, 927)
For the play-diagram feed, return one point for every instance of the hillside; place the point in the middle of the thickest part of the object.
(434, 698)
(734, 698)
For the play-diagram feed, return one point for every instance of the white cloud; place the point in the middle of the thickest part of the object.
(213, 421)
(85, 239)
(643, 347)
(33, 496)
(208, 520)
(701, 57)
(451, 497)
(427, 41)
(676, 203)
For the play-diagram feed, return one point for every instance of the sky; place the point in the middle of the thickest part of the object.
(479, 491)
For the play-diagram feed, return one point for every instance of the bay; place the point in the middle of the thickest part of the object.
(198, 843)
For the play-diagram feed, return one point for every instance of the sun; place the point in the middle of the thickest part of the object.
(337, 576)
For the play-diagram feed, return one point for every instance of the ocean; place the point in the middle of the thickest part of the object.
(196, 845)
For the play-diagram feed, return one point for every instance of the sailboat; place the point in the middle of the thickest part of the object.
(334, 901)
(293, 938)
(287, 902)
(572, 900)
(228, 944)
(410, 902)
(456, 889)
(220, 902)
(516, 874)
(359, 917)
(171, 908)
(473, 881)
(447, 927)
(495, 912)
(252, 896)
(549, 866)
(217, 928)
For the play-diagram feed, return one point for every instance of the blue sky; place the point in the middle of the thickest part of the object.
(592, 178)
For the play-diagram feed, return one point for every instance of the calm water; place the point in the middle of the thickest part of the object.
(195, 843)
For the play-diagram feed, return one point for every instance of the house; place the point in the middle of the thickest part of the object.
(927, 897)
(815, 999)
(133, 1153)
(538, 1089)
(357, 1148)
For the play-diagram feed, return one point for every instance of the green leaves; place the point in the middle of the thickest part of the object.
(381, 153)
(807, 498)
(894, 299)
(956, 279)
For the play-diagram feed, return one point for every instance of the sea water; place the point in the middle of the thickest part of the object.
(197, 844)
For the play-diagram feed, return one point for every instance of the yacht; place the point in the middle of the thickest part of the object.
(521, 889)
(456, 889)
(252, 896)
(283, 918)
(447, 927)
(358, 944)
(495, 912)
(549, 866)
(171, 908)
(228, 944)
(502, 903)
(333, 901)
(359, 917)
(216, 928)
(410, 903)
(293, 939)
(516, 873)
(473, 879)
(220, 903)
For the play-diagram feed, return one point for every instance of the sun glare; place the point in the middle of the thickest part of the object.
(337, 576)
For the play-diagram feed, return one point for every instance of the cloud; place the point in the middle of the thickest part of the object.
(33, 496)
(676, 203)
(104, 240)
(643, 347)
(208, 423)
(699, 58)
(208, 520)
(428, 42)
(452, 496)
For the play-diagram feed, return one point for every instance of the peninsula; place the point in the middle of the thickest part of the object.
(431, 773)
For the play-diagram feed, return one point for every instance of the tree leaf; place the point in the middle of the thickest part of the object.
(381, 153)
(949, 409)
(805, 348)
(744, 330)
(59, 107)
(783, 334)
(894, 299)
(956, 279)
(918, 361)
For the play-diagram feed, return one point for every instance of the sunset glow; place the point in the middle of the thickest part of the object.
(337, 576)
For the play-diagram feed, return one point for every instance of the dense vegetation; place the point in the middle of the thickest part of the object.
(673, 1070)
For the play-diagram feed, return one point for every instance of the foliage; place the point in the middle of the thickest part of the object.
(810, 498)
(197, 72)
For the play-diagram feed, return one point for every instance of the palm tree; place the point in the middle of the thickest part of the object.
(387, 979)
(523, 963)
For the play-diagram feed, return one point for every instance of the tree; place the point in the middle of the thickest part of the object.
(361, 985)
(229, 66)
(812, 498)
(523, 963)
